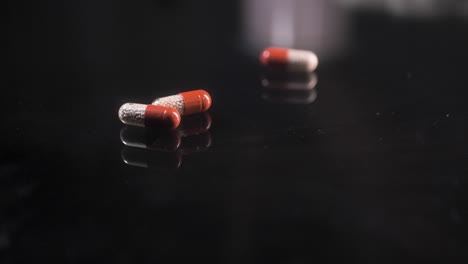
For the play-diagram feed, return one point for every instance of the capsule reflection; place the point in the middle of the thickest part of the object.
(170, 140)
(304, 82)
(146, 158)
(289, 89)
(196, 143)
(153, 139)
(151, 158)
(290, 97)
(195, 124)
(156, 148)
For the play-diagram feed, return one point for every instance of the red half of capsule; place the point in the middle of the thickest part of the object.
(161, 116)
(277, 58)
(196, 101)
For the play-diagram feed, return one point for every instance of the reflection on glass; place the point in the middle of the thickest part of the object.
(146, 158)
(304, 82)
(195, 124)
(148, 147)
(147, 138)
(290, 97)
(169, 140)
(289, 89)
(196, 143)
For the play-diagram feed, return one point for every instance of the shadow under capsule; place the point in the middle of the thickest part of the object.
(289, 88)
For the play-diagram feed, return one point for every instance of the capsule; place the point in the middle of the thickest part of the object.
(149, 116)
(291, 60)
(187, 103)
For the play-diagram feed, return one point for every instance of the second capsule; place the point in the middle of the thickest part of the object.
(291, 60)
(187, 103)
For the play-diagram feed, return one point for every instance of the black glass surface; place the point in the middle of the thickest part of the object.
(369, 166)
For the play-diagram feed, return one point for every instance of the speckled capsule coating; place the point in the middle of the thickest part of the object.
(187, 103)
(149, 116)
(291, 60)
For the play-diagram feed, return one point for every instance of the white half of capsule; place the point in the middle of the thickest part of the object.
(173, 101)
(301, 61)
(132, 114)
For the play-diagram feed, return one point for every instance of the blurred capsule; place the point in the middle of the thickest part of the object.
(290, 60)
(187, 103)
(288, 82)
(145, 158)
(149, 115)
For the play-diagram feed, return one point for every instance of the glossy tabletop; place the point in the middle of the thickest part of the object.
(367, 165)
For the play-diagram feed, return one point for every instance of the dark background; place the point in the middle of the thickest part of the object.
(373, 171)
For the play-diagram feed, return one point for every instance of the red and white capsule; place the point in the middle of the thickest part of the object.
(149, 115)
(187, 103)
(291, 60)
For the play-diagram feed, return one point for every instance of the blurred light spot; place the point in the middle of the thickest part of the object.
(282, 24)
